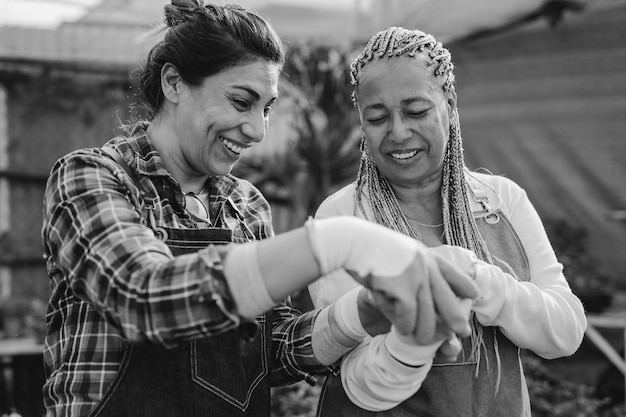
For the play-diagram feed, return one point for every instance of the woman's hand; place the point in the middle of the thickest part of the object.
(423, 301)
(375, 323)
(411, 286)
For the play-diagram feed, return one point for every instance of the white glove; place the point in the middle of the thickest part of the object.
(464, 259)
(410, 285)
(361, 246)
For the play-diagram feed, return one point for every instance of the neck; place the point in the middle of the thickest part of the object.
(162, 136)
(420, 204)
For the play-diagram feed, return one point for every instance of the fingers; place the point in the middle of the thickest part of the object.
(450, 308)
(401, 311)
(429, 288)
(451, 348)
(394, 297)
(462, 284)
(426, 316)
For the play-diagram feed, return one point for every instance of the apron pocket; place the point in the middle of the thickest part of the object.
(229, 367)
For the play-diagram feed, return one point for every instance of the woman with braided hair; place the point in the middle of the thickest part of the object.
(413, 179)
(167, 282)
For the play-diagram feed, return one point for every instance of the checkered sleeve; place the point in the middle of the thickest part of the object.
(112, 260)
(292, 350)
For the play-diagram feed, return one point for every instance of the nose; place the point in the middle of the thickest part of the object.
(255, 127)
(398, 129)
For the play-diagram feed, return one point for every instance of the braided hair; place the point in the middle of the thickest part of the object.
(460, 229)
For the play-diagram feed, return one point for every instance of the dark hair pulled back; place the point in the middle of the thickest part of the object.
(202, 40)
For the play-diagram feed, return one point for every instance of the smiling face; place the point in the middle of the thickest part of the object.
(215, 122)
(405, 118)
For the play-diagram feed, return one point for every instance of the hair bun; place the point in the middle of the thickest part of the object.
(180, 11)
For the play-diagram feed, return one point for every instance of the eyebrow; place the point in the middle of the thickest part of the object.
(404, 102)
(253, 93)
(249, 91)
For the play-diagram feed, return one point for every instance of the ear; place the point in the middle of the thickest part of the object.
(170, 82)
(451, 101)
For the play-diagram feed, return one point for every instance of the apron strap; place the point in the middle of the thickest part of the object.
(480, 200)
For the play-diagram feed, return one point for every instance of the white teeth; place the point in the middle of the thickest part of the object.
(404, 155)
(230, 145)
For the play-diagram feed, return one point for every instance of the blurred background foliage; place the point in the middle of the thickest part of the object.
(324, 156)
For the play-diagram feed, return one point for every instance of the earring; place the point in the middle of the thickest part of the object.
(363, 147)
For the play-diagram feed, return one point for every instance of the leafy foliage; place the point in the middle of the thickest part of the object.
(584, 273)
(297, 400)
(327, 143)
(551, 396)
(325, 154)
(29, 313)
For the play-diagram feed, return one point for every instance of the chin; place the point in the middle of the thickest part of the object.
(225, 171)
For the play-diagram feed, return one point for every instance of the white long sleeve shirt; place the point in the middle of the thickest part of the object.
(541, 315)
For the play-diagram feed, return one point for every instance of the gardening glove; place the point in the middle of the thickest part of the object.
(410, 285)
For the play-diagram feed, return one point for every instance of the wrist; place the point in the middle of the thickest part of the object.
(345, 322)
(373, 320)
(245, 281)
(327, 348)
(404, 349)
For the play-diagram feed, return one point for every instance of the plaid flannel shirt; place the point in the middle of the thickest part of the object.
(112, 281)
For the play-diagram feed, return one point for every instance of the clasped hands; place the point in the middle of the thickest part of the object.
(426, 293)
(430, 301)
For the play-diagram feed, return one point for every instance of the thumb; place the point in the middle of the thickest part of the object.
(451, 348)
(402, 313)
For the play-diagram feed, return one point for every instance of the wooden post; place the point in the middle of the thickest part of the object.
(5, 213)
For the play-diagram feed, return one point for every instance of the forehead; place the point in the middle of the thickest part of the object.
(260, 76)
(402, 76)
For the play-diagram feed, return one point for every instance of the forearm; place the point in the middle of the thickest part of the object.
(383, 371)
(305, 345)
(290, 261)
(547, 318)
(163, 300)
(543, 314)
(293, 357)
(287, 263)
(345, 323)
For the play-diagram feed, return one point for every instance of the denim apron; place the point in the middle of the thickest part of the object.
(495, 385)
(222, 375)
